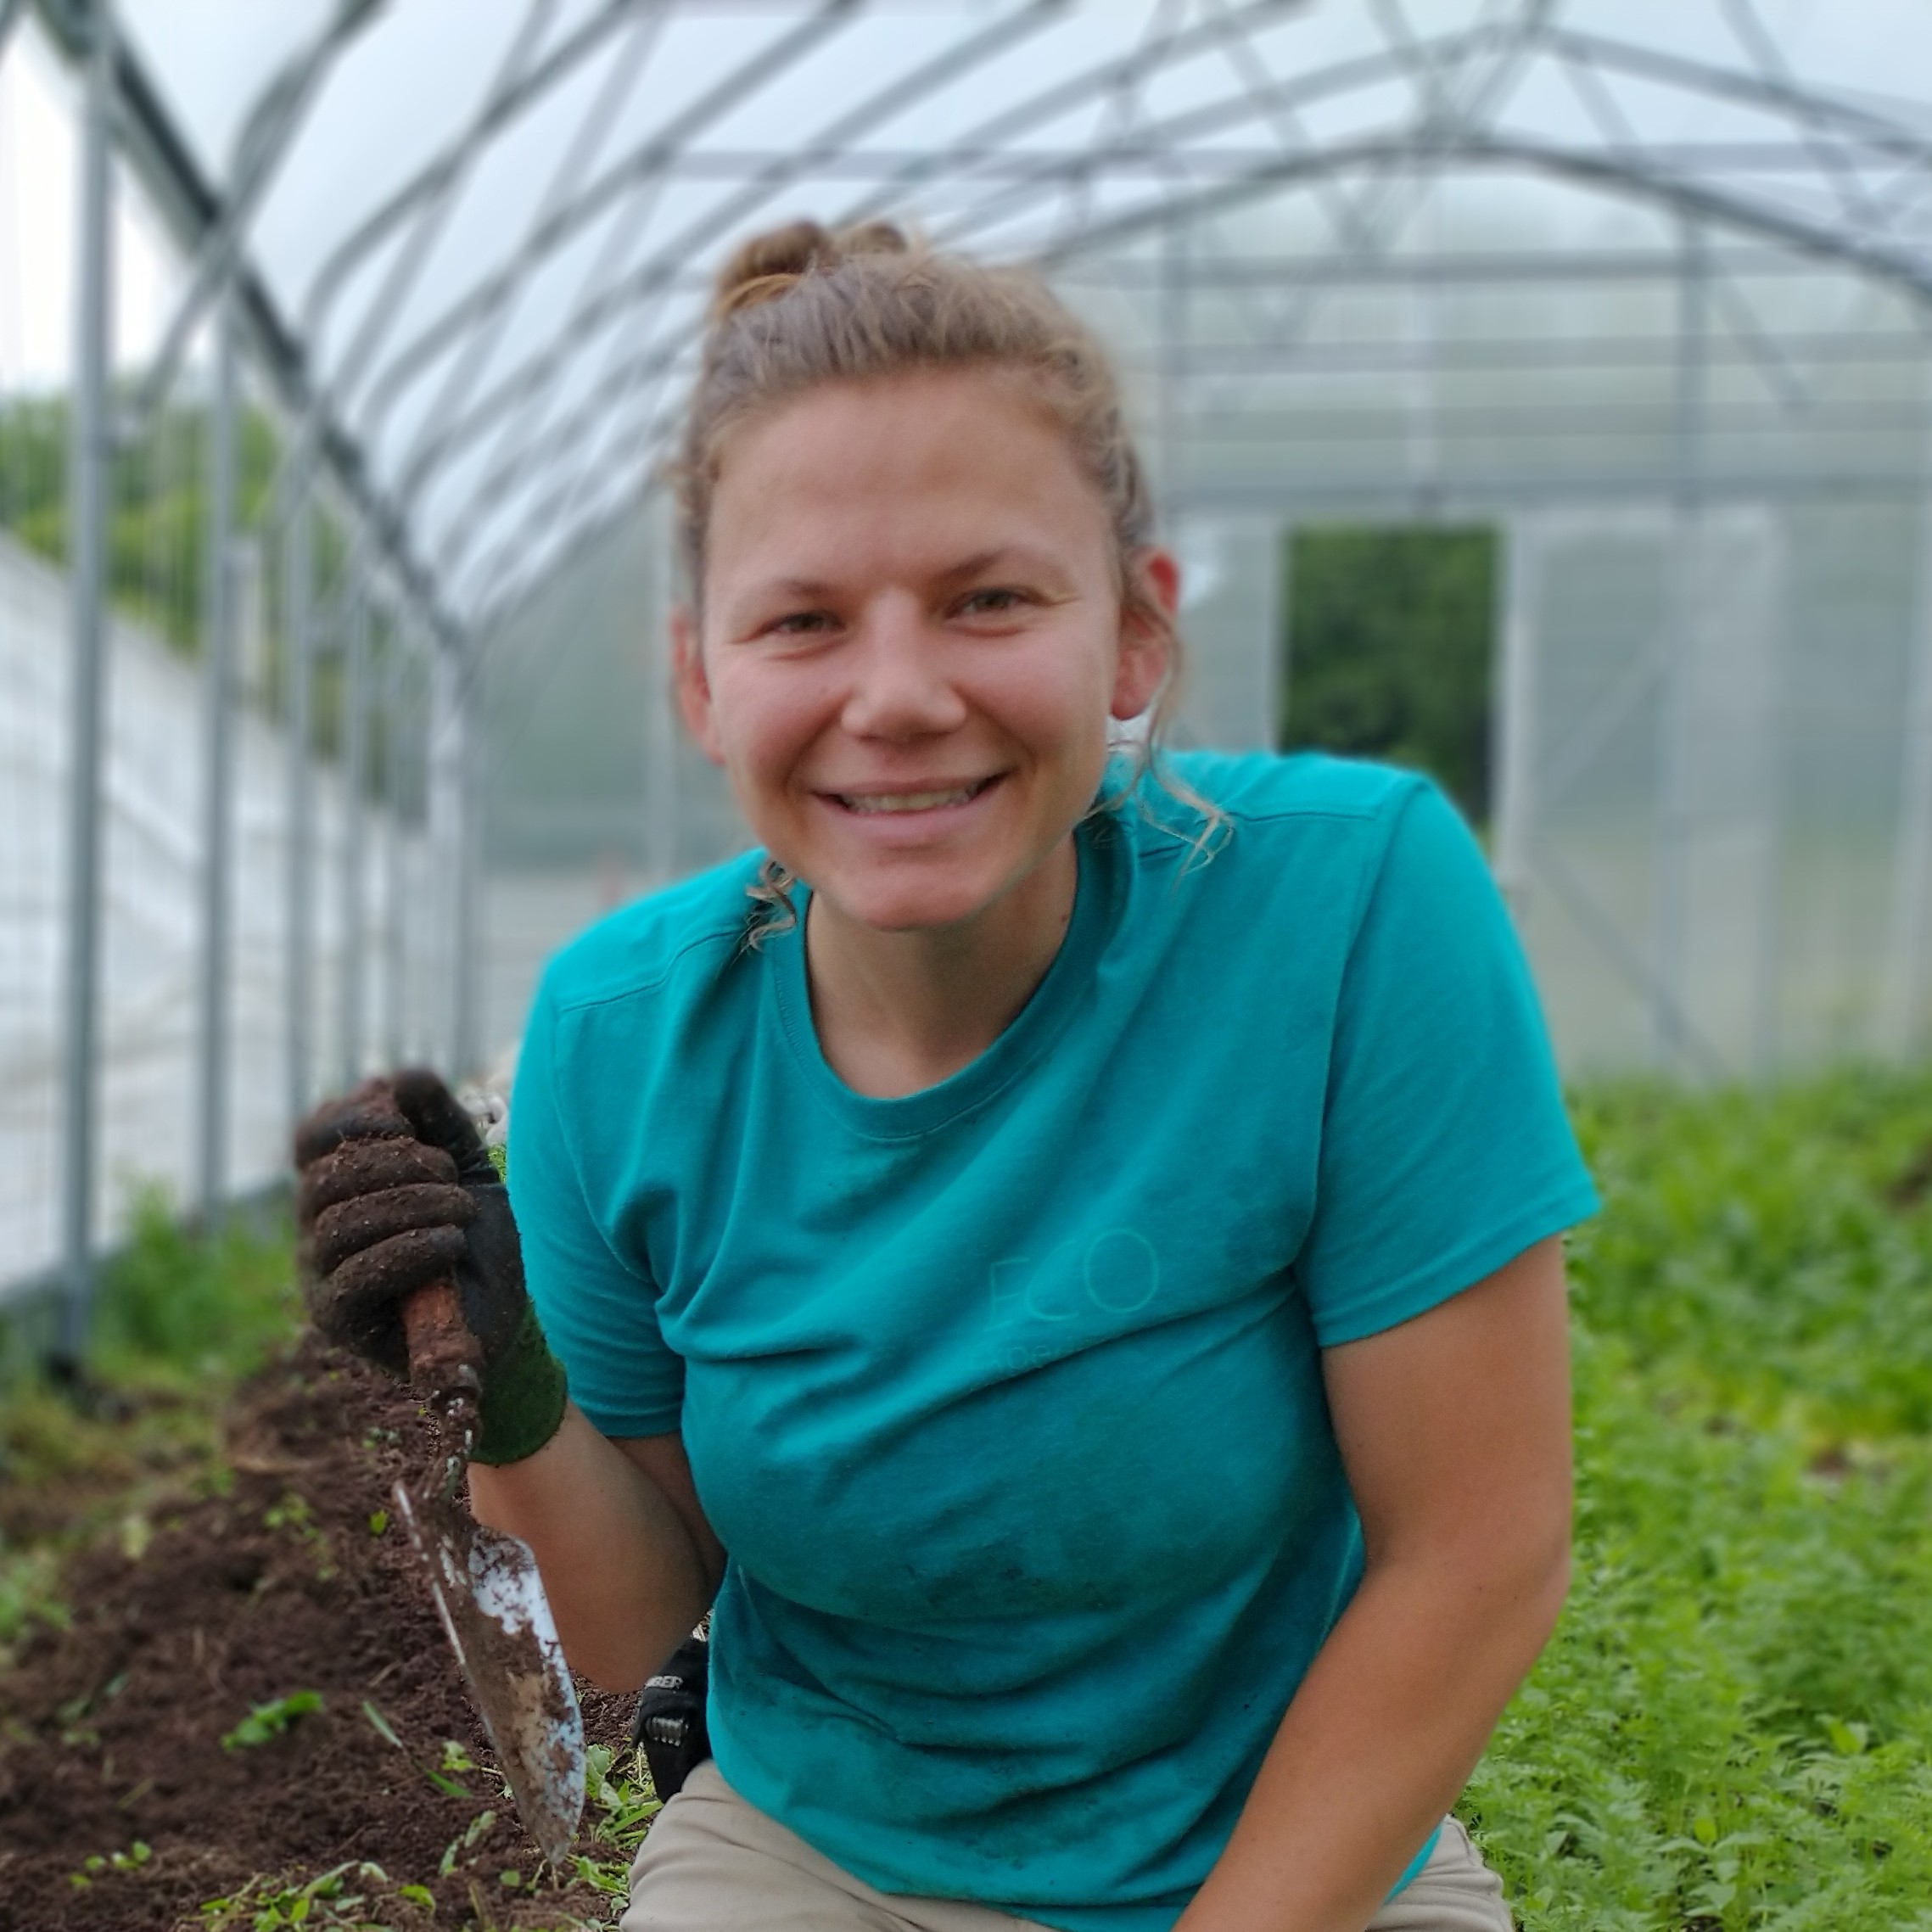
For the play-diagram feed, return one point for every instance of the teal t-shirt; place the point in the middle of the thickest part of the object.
(1005, 1396)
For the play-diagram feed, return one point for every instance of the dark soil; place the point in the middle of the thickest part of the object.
(281, 1575)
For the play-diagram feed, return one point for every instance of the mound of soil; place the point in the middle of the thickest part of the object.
(282, 1576)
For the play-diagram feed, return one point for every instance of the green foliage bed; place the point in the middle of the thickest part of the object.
(1731, 1731)
(1732, 1727)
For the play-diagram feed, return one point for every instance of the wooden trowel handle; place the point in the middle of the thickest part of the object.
(443, 1356)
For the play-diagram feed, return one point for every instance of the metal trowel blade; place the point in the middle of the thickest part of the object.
(499, 1624)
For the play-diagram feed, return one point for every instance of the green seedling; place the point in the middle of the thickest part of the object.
(444, 1778)
(266, 1721)
(620, 1807)
(267, 1905)
(76, 1708)
(455, 1757)
(468, 1840)
(292, 1513)
(92, 1867)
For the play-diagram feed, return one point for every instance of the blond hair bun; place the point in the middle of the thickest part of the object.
(762, 269)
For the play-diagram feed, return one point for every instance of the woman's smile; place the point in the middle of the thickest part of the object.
(905, 814)
(902, 800)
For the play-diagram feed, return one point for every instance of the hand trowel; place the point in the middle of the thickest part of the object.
(488, 1593)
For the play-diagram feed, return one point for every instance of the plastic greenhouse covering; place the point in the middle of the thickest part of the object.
(340, 345)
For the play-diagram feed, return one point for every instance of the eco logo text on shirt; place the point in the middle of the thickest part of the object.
(1116, 1271)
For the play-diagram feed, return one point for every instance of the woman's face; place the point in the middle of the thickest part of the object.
(913, 638)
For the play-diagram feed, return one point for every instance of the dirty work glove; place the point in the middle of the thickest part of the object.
(395, 1190)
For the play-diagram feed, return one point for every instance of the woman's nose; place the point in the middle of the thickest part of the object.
(899, 687)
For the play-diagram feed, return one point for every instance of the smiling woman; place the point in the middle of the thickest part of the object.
(1075, 1294)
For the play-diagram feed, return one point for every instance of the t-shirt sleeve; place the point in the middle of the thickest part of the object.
(1445, 1149)
(598, 1308)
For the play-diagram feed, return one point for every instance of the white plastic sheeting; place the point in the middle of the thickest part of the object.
(1231, 619)
(152, 808)
(1712, 853)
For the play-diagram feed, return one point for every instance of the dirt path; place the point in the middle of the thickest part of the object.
(283, 1576)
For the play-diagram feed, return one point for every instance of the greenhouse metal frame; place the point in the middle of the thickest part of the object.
(1215, 198)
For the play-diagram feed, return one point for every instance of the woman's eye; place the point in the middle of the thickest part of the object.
(992, 603)
(801, 623)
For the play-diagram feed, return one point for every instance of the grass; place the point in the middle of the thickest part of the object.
(1732, 1730)
(178, 1323)
(176, 1311)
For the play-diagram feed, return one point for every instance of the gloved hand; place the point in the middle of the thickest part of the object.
(395, 1188)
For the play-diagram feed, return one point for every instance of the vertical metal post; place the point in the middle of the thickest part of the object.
(1767, 976)
(467, 921)
(1514, 722)
(448, 707)
(246, 562)
(1422, 449)
(218, 755)
(661, 742)
(395, 890)
(1670, 881)
(354, 822)
(1912, 852)
(90, 460)
(1283, 642)
(299, 646)
(1176, 315)
(421, 931)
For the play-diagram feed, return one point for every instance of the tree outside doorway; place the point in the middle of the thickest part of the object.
(1391, 636)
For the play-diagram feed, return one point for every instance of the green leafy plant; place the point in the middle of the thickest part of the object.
(292, 1514)
(266, 1721)
(328, 1900)
(619, 1804)
(132, 1860)
(467, 1840)
(442, 1775)
(1732, 1728)
(176, 1304)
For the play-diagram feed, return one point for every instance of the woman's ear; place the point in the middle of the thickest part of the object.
(694, 687)
(1146, 631)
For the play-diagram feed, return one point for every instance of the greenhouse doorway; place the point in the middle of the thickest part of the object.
(1388, 648)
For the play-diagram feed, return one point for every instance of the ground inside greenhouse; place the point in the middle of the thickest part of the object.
(282, 1574)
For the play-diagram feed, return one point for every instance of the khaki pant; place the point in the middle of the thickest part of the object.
(715, 1863)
